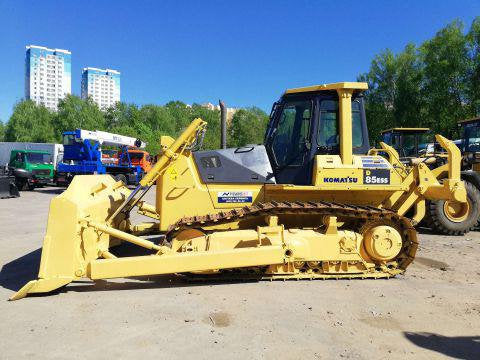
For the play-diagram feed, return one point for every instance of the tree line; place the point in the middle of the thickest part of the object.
(35, 123)
(432, 85)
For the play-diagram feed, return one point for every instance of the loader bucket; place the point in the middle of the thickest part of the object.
(8, 188)
(69, 245)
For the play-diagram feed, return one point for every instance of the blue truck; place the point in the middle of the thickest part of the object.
(82, 155)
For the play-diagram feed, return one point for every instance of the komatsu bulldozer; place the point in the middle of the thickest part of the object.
(444, 216)
(307, 204)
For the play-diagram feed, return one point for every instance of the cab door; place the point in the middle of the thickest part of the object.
(288, 142)
(17, 160)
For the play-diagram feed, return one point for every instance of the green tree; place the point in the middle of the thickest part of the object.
(394, 95)
(2, 131)
(120, 115)
(30, 123)
(408, 104)
(434, 85)
(473, 43)
(446, 68)
(181, 115)
(247, 127)
(75, 113)
(155, 121)
(212, 117)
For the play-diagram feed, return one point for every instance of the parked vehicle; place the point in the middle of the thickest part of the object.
(137, 158)
(83, 156)
(56, 150)
(31, 168)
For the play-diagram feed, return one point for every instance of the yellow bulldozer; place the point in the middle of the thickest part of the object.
(307, 204)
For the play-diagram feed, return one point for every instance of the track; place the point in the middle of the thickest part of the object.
(309, 214)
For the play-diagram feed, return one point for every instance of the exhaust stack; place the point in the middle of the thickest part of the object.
(223, 124)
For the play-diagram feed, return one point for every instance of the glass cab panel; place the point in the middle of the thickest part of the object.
(291, 136)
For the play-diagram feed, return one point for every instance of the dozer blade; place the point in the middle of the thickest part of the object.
(68, 245)
(40, 286)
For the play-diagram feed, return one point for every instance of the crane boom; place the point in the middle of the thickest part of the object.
(109, 139)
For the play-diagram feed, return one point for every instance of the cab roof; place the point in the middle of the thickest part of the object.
(360, 86)
(399, 129)
(475, 119)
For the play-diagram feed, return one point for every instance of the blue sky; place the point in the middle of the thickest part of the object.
(245, 52)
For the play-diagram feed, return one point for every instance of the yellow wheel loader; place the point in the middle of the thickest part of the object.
(305, 205)
(443, 216)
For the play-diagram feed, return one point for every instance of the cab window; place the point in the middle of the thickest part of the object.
(328, 136)
(68, 139)
(328, 130)
(357, 127)
(289, 142)
(409, 146)
(16, 157)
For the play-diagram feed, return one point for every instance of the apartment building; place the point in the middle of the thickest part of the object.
(47, 75)
(102, 85)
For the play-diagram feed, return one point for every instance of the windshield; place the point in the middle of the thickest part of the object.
(110, 153)
(410, 143)
(472, 137)
(68, 139)
(135, 156)
(38, 158)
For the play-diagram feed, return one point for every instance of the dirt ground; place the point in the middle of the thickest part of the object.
(432, 312)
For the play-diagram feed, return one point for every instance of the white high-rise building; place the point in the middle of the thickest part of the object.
(48, 75)
(102, 85)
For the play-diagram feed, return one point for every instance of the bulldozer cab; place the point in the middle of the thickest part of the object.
(409, 142)
(470, 138)
(306, 122)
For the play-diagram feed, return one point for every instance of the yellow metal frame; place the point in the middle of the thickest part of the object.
(358, 86)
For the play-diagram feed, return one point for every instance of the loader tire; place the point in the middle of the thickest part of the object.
(453, 218)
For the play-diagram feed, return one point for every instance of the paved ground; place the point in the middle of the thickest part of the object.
(431, 312)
